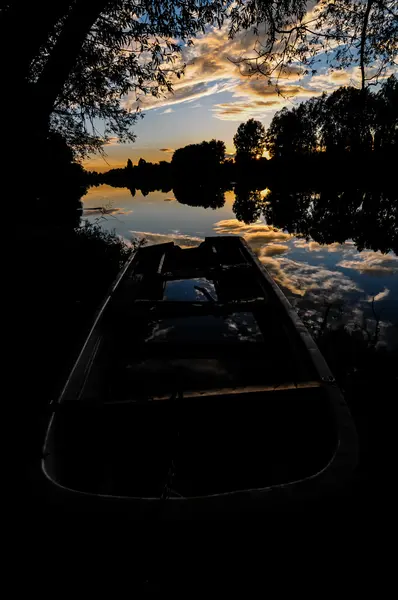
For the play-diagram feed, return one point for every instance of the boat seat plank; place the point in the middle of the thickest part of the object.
(149, 308)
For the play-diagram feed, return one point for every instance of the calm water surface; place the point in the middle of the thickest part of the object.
(334, 277)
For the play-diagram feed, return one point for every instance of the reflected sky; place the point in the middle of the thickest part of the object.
(312, 275)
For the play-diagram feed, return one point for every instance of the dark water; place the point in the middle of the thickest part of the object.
(333, 254)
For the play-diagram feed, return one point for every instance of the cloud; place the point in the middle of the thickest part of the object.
(104, 211)
(236, 111)
(331, 80)
(312, 246)
(337, 247)
(185, 241)
(274, 249)
(112, 141)
(230, 226)
(213, 65)
(167, 111)
(302, 279)
(268, 234)
(256, 234)
(187, 91)
(166, 150)
(379, 296)
(371, 263)
(259, 98)
(299, 278)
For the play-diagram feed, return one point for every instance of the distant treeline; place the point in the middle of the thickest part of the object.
(302, 172)
(347, 135)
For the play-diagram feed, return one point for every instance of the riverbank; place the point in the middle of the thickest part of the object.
(64, 275)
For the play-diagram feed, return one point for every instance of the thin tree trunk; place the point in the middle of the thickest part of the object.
(363, 41)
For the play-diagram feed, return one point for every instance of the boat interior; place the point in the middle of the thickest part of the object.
(197, 384)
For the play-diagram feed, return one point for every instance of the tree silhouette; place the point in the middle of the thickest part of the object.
(347, 121)
(129, 165)
(199, 160)
(85, 56)
(65, 181)
(294, 131)
(249, 140)
(386, 109)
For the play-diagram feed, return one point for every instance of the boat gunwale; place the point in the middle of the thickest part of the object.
(333, 475)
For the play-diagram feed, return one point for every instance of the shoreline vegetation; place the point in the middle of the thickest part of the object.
(69, 271)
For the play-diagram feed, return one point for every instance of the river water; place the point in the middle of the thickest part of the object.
(324, 271)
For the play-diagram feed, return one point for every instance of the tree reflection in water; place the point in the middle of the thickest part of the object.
(368, 217)
(208, 196)
(248, 205)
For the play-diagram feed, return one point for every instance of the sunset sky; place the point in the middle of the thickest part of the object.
(212, 99)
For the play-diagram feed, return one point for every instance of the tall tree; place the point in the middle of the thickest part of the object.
(386, 121)
(199, 160)
(294, 131)
(87, 55)
(81, 64)
(249, 140)
(347, 121)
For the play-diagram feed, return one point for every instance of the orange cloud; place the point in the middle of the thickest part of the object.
(112, 141)
(185, 241)
(213, 65)
(274, 249)
(256, 234)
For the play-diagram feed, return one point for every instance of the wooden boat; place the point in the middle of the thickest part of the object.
(198, 389)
